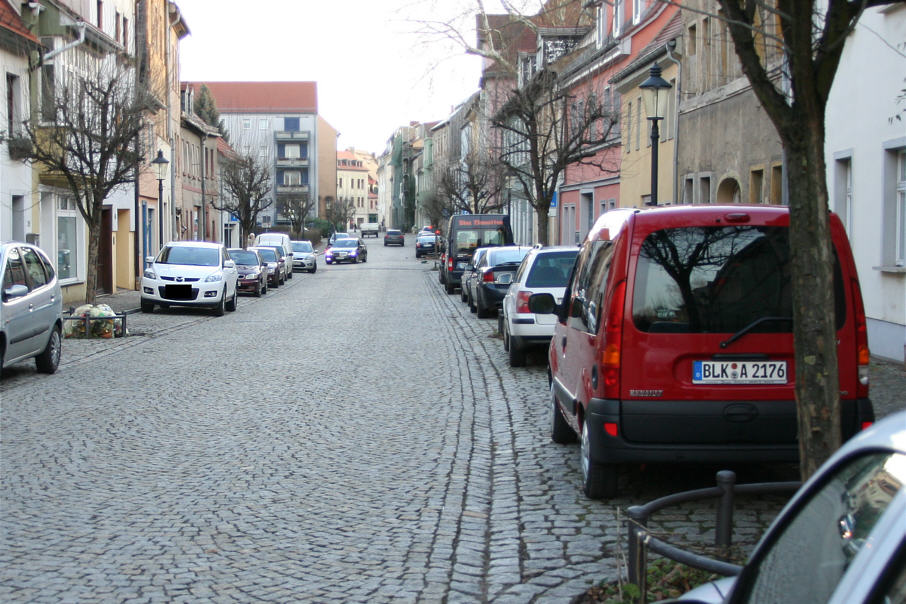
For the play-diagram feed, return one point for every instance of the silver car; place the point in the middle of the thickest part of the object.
(31, 310)
(841, 538)
(304, 258)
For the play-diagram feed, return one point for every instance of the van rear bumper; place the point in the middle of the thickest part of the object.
(691, 431)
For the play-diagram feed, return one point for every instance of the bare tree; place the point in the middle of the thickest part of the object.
(471, 185)
(810, 38)
(88, 137)
(247, 186)
(298, 210)
(547, 128)
(339, 212)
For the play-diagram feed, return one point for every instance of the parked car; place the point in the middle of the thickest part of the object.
(269, 256)
(346, 250)
(284, 262)
(190, 273)
(494, 274)
(394, 237)
(31, 307)
(543, 270)
(841, 538)
(674, 341)
(252, 271)
(304, 257)
(469, 276)
(466, 233)
(427, 244)
(335, 236)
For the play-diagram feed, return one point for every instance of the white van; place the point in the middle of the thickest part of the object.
(279, 240)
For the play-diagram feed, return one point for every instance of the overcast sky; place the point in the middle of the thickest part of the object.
(374, 71)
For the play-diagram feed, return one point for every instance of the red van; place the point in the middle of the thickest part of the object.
(674, 341)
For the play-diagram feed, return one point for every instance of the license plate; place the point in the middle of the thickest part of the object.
(739, 372)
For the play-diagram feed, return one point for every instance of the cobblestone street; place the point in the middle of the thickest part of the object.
(355, 435)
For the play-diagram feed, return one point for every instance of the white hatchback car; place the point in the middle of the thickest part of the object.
(191, 273)
(543, 270)
(31, 307)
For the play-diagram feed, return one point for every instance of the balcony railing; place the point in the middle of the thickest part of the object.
(292, 162)
(291, 135)
(292, 189)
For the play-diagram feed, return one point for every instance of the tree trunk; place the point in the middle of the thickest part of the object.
(541, 213)
(814, 330)
(94, 243)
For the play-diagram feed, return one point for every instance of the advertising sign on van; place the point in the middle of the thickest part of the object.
(479, 221)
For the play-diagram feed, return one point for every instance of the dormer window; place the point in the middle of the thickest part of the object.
(618, 13)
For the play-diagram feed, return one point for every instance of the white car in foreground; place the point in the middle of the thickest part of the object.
(191, 273)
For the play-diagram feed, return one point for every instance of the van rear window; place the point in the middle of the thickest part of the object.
(718, 280)
(468, 240)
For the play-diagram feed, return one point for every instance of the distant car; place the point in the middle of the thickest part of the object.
(269, 255)
(190, 273)
(427, 229)
(284, 261)
(495, 273)
(394, 237)
(336, 236)
(543, 270)
(31, 308)
(427, 244)
(469, 277)
(304, 257)
(252, 271)
(842, 536)
(346, 250)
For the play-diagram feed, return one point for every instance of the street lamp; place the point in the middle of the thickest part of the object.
(161, 162)
(655, 95)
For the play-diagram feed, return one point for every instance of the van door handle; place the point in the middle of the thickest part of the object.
(563, 343)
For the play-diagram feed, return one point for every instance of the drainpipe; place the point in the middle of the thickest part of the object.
(670, 46)
(168, 61)
(73, 44)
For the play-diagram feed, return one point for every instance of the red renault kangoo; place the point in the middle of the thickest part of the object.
(674, 341)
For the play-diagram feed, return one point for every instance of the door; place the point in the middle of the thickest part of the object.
(16, 311)
(105, 253)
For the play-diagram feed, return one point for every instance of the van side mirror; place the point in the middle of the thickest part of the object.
(542, 304)
(14, 291)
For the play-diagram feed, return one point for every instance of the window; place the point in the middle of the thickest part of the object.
(291, 152)
(262, 123)
(618, 10)
(68, 237)
(48, 93)
(292, 178)
(777, 184)
(636, 11)
(12, 103)
(832, 526)
(638, 121)
(100, 6)
(901, 208)
(15, 271)
(756, 184)
(291, 124)
(704, 189)
(35, 267)
(246, 124)
(126, 33)
(843, 192)
(118, 24)
(629, 125)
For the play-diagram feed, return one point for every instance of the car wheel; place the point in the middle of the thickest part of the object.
(500, 323)
(385, 244)
(462, 294)
(561, 433)
(49, 359)
(260, 291)
(598, 480)
(231, 305)
(365, 258)
(147, 306)
(289, 275)
(449, 287)
(220, 309)
(506, 337)
(313, 269)
(355, 260)
(516, 351)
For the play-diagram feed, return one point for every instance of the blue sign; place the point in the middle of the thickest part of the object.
(554, 200)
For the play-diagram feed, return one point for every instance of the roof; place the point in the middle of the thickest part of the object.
(263, 97)
(12, 22)
(655, 48)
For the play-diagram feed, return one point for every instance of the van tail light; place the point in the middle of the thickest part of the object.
(863, 355)
(522, 301)
(488, 277)
(613, 337)
(451, 262)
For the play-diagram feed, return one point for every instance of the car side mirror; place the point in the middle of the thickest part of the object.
(15, 291)
(149, 259)
(229, 264)
(542, 304)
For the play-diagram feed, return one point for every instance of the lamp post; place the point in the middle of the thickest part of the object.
(161, 162)
(654, 94)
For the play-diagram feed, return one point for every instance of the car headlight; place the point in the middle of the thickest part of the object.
(150, 274)
(218, 276)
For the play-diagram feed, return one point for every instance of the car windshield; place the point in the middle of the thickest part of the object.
(192, 256)
(496, 257)
(718, 280)
(302, 246)
(392, 232)
(345, 243)
(552, 270)
(427, 238)
(269, 255)
(244, 258)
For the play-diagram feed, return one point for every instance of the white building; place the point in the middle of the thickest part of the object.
(865, 152)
